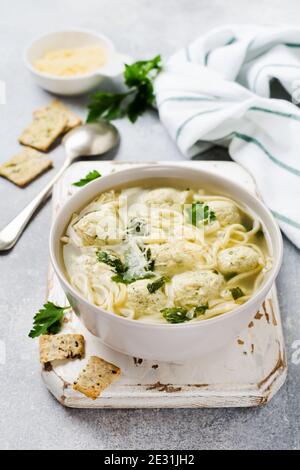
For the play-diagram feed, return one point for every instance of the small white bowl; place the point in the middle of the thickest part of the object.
(165, 342)
(70, 39)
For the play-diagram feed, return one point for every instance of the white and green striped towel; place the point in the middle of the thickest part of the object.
(217, 91)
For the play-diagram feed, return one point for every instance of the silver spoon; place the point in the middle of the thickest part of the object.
(85, 141)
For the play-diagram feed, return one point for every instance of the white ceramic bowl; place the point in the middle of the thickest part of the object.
(165, 342)
(70, 39)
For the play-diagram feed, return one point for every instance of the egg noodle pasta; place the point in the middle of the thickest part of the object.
(163, 254)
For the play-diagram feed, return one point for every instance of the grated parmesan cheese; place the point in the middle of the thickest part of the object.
(69, 62)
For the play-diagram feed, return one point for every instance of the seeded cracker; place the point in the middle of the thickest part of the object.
(59, 347)
(72, 119)
(96, 377)
(25, 166)
(44, 129)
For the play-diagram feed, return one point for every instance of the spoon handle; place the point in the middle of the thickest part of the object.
(11, 233)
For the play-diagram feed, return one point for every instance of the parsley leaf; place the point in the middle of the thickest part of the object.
(155, 285)
(236, 292)
(175, 314)
(111, 260)
(200, 310)
(139, 79)
(142, 71)
(48, 320)
(200, 212)
(106, 106)
(126, 278)
(122, 270)
(92, 175)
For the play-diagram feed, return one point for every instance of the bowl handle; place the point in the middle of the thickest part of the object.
(115, 65)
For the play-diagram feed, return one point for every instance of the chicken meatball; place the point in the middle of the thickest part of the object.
(226, 212)
(238, 259)
(142, 301)
(176, 257)
(165, 197)
(99, 227)
(195, 288)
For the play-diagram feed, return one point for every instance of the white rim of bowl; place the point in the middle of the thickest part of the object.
(139, 324)
(111, 48)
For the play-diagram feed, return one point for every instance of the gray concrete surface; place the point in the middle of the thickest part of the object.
(29, 416)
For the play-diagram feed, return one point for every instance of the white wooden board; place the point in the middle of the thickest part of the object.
(247, 372)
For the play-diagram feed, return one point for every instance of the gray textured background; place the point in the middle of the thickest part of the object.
(30, 417)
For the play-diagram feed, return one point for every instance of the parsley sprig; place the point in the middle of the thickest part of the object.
(126, 278)
(181, 315)
(92, 175)
(122, 270)
(111, 260)
(175, 314)
(48, 320)
(138, 78)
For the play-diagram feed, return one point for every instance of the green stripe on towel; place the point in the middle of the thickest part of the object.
(291, 44)
(286, 220)
(180, 128)
(276, 113)
(244, 137)
(188, 98)
(253, 140)
(228, 43)
(293, 116)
